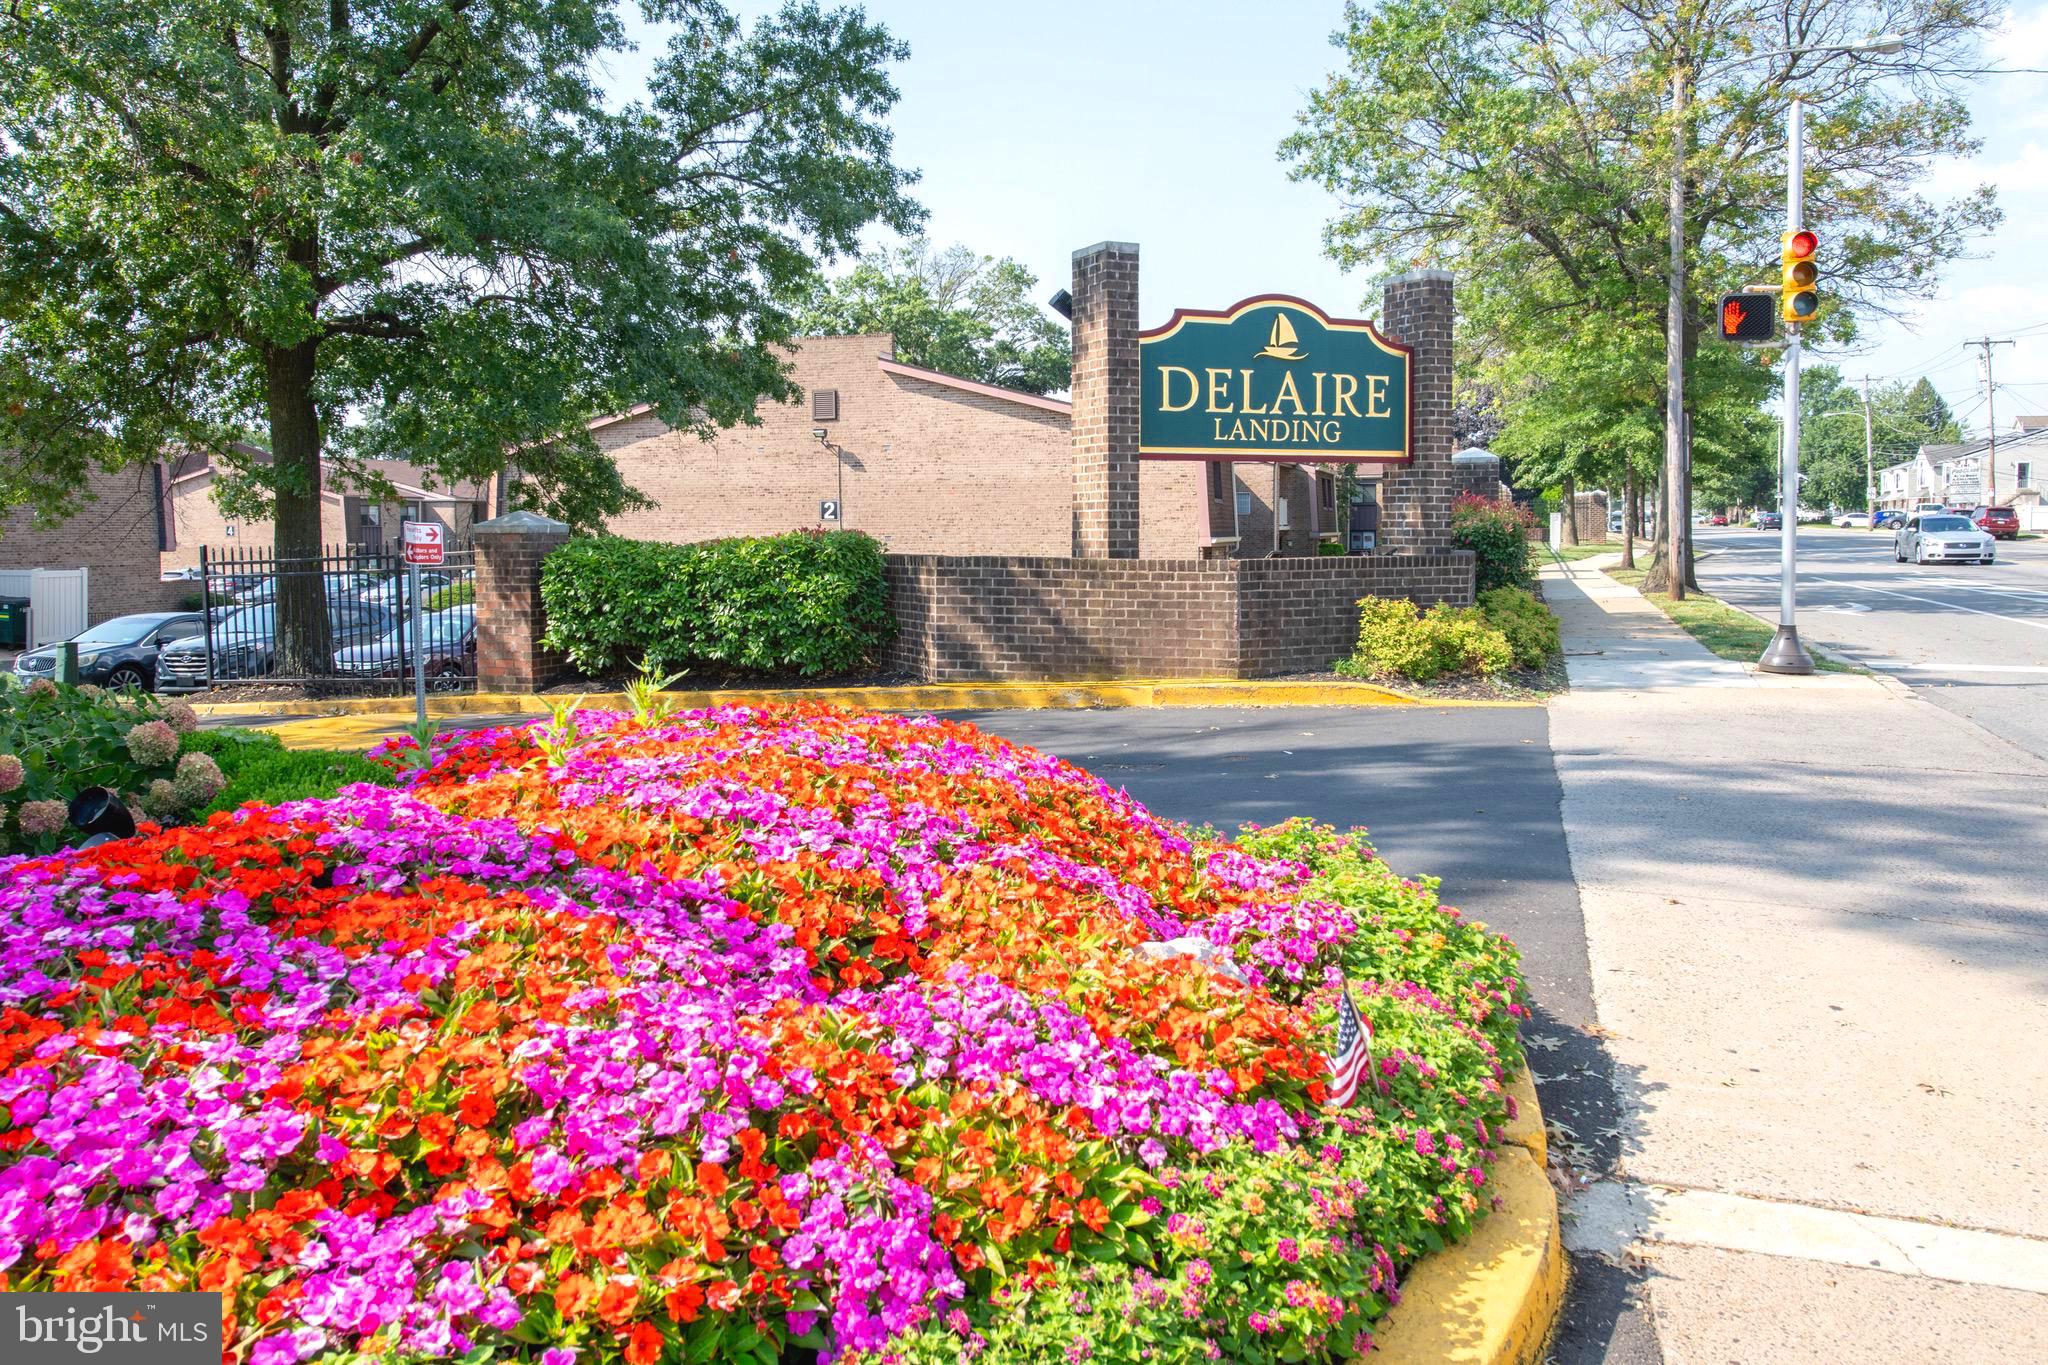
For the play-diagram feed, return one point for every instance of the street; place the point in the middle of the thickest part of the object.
(1972, 639)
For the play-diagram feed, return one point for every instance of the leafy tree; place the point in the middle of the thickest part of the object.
(1922, 410)
(411, 228)
(1527, 148)
(950, 310)
(1831, 437)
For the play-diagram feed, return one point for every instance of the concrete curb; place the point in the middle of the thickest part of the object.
(917, 697)
(1493, 1298)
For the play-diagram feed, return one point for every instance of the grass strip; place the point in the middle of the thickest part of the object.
(1726, 631)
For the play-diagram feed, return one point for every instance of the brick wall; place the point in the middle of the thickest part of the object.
(1416, 497)
(989, 617)
(113, 537)
(509, 619)
(1590, 516)
(928, 468)
(1105, 389)
(1297, 615)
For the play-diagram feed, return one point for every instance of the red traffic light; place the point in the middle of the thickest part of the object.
(1748, 317)
(1803, 243)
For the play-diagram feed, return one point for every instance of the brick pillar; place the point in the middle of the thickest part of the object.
(1415, 517)
(1105, 394)
(509, 620)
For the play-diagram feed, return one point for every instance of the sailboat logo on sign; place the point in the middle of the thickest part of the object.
(1281, 343)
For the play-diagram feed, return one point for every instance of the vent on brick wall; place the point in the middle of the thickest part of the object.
(824, 405)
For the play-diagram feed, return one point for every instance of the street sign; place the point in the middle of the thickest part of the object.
(1273, 379)
(828, 509)
(1749, 317)
(425, 543)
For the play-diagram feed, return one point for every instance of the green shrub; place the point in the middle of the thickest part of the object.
(454, 595)
(803, 602)
(258, 768)
(1397, 640)
(1497, 534)
(57, 741)
(1530, 627)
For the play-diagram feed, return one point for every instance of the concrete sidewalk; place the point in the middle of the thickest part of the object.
(1819, 940)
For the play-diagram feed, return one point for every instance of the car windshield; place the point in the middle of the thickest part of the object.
(1945, 524)
(122, 630)
(248, 621)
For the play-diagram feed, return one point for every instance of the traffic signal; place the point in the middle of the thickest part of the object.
(1799, 300)
(1748, 317)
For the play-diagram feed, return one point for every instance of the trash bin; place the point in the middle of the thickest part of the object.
(13, 623)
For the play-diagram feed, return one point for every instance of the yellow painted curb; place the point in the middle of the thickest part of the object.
(1493, 1298)
(913, 697)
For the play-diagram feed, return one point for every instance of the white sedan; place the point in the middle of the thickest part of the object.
(1853, 521)
(1942, 540)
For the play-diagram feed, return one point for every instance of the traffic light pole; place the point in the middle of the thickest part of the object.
(1785, 654)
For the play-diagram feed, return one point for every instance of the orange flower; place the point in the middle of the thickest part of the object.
(643, 1345)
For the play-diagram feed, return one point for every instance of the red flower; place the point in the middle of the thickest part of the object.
(643, 1346)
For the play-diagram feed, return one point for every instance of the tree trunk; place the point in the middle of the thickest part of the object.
(1657, 577)
(1571, 512)
(1628, 514)
(304, 647)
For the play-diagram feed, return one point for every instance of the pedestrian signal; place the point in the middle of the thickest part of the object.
(1748, 317)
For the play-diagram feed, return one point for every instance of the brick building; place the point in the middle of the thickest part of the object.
(192, 518)
(116, 537)
(930, 463)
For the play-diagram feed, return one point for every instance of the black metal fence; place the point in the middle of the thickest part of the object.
(337, 623)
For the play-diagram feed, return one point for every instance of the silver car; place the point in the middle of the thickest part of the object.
(1943, 539)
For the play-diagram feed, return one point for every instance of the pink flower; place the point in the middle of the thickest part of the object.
(43, 817)
(152, 743)
(12, 774)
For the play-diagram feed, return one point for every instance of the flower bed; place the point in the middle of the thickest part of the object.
(740, 1035)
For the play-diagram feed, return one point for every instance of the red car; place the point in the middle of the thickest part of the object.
(2000, 523)
(1720, 519)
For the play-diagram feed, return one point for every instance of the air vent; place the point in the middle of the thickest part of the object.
(824, 405)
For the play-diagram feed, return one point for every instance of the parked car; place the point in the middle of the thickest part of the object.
(1942, 539)
(339, 585)
(1853, 521)
(245, 644)
(394, 593)
(2000, 523)
(1718, 519)
(1923, 508)
(450, 651)
(121, 652)
(1889, 516)
(1767, 521)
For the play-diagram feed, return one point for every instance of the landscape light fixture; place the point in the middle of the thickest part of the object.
(100, 813)
(1063, 304)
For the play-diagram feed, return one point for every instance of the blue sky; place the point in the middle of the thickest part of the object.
(1162, 129)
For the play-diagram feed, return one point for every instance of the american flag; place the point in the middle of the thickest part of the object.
(1353, 1054)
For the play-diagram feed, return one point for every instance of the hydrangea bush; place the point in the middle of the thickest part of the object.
(740, 1035)
(57, 741)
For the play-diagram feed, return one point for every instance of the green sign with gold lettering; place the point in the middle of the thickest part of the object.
(1273, 379)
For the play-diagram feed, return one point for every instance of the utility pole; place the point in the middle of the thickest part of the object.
(1675, 474)
(1990, 417)
(1869, 464)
